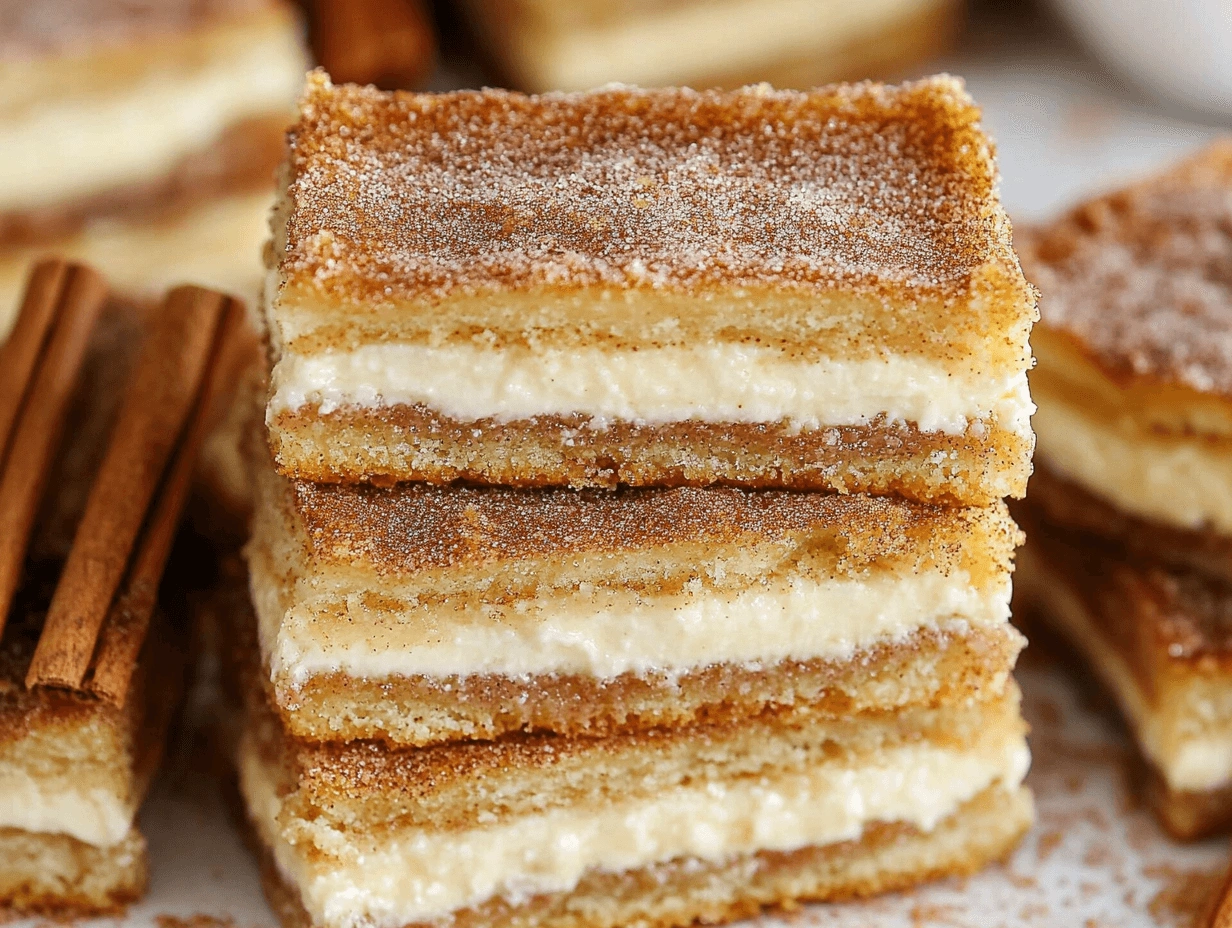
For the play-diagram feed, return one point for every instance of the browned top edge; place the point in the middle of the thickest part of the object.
(1140, 280)
(886, 190)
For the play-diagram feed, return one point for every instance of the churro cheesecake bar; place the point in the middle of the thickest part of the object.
(1130, 511)
(762, 288)
(542, 45)
(711, 819)
(423, 613)
(102, 405)
(142, 137)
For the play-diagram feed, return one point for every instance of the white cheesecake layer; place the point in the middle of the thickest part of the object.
(96, 816)
(412, 875)
(714, 382)
(605, 633)
(1186, 482)
(75, 146)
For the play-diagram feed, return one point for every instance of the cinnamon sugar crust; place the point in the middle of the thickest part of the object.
(802, 223)
(419, 197)
(398, 443)
(410, 528)
(887, 857)
(1140, 281)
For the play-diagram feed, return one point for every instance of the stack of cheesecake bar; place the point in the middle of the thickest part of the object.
(629, 544)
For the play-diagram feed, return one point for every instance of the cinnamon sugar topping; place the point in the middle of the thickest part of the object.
(421, 196)
(1142, 278)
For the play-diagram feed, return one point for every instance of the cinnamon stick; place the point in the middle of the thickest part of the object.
(19, 355)
(128, 621)
(40, 422)
(160, 396)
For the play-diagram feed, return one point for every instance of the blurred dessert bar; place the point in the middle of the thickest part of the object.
(648, 287)
(504, 700)
(389, 43)
(142, 136)
(541, 45)
(91, 665)
(1129, 514)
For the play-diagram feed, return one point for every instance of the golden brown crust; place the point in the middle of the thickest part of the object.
(886, 857)
(1141, 280)
(242, 160)
(400, 443)
(414, 197)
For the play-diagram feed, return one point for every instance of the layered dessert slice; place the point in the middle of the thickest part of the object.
(1157, 638)
(423, 613)
(578, 44)
(1134, 382)
(142, 137)
(1129, 514)
(709, 820)
(763, 288)
(91, 662)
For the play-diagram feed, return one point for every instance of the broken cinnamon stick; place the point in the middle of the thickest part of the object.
(160, 396)
(128, 621)
(40, 421)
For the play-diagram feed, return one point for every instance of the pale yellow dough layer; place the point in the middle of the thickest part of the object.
(411, 875)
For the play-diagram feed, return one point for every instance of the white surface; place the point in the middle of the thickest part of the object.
(1096, 857)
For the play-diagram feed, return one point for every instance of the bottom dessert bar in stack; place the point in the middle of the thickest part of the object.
(1129, 514)
(494, 706)
(91, 665)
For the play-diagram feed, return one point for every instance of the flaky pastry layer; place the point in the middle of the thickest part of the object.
(59, 876)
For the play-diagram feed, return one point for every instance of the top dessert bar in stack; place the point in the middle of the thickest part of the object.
(664, 287)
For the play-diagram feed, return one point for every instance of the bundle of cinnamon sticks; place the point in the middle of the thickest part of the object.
(107, 592)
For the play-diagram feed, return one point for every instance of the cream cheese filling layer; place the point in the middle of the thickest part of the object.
(94, 815)
(724, 36)
(606, 633)
(653, 385)
(1183, 482)
(414, 875)
(75, 147)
